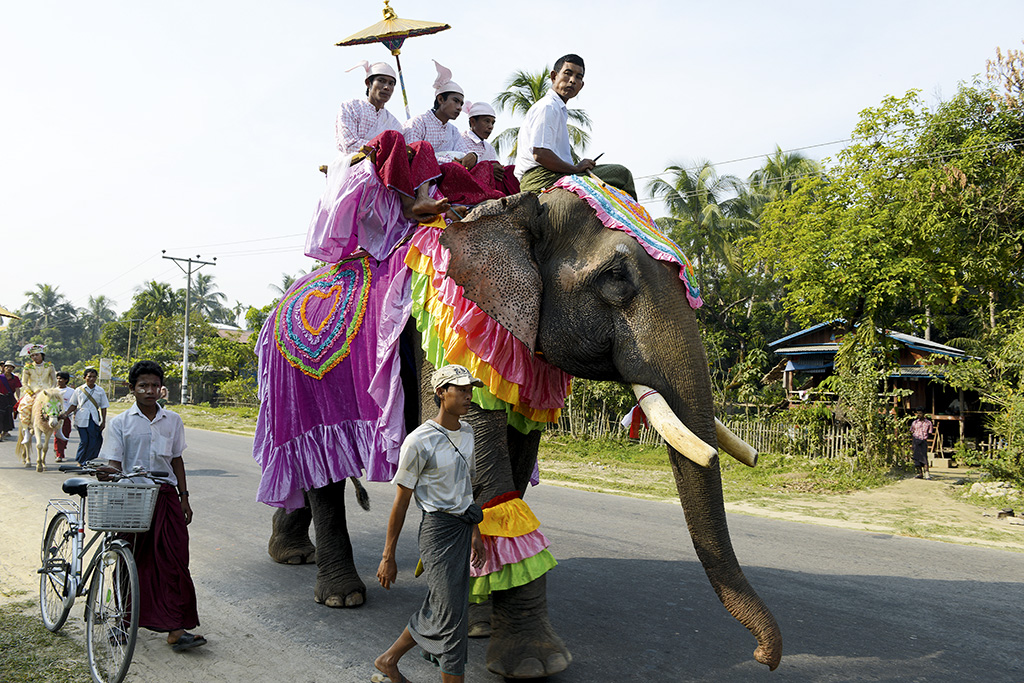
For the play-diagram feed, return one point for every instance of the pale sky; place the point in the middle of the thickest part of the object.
(198, 127)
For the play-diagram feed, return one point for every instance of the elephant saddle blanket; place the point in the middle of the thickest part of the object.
(618, 211)
(328, 356)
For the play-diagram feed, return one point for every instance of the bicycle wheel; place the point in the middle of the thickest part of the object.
(112, 615)
(57, 554)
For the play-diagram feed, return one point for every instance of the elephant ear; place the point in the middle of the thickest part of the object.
(492, 260)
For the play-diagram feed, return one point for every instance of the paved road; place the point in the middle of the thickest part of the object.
(628, 597)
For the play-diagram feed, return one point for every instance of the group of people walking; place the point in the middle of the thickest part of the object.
(84, 407)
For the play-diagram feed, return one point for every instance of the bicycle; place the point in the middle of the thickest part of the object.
(115, 508)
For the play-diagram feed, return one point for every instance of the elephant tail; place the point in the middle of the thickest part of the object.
(362, 497)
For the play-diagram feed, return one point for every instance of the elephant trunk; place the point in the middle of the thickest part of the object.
(700, 491)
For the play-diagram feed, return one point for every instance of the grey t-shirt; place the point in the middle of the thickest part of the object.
(438, 465)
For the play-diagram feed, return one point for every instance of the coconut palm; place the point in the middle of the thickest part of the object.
(522, 91)
(286, 282)
(208, 301)
(781, 173)
(47, 302)
(156, 300)
(96, 314)
(699, 201)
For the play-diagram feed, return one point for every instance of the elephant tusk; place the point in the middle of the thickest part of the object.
(734, 445)
(671, 428)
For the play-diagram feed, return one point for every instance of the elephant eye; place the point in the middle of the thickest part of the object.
(616, 284)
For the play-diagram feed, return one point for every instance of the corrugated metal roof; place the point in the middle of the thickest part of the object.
(805, 331)
(810, 348)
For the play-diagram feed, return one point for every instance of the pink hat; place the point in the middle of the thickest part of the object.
(378, 69)
(444, 82)
(471, 109)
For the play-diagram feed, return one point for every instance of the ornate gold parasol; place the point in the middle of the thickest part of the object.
(5, 313)
(393, 32)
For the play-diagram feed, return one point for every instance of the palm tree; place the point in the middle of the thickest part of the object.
(705, 224)
(96, 314)
(780, 174)
(156, 300)
(522, 91)
(207, 301)
(46, 301)
(286, 282)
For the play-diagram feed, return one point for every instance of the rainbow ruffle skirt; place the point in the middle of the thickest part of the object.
(531, 391)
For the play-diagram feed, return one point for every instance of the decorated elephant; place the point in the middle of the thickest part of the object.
(526, 291)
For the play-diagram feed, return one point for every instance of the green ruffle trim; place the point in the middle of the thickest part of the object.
(434, 351)
(510, 576)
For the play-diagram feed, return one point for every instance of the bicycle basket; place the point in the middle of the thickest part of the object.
(121, 506)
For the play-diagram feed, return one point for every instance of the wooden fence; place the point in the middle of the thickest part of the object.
(765, 436)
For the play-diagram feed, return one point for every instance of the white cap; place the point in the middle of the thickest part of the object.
(444, 82)
(29, 349)
(377, 69)
(471, 109)
(454, 374)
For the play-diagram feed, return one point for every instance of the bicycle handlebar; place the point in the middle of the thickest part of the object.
(92, 470)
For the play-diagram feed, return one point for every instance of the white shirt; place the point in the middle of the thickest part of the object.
(443, 137)
(85, 407)
(438, 465)
(132, 440)
(358, 122)
(546, 125)
(66, 394)
(484, 150)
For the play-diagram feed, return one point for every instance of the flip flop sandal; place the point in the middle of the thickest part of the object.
(187, 641)
(381, 678)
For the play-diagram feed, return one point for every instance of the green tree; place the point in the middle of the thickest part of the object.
(524, 89)
(156, 300)
(208, 301)
(94, 316)
(47, 305)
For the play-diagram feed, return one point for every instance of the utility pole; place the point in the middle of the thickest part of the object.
(130, 321)
(188, 298)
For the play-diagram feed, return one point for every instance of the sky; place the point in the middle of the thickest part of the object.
(130, 128)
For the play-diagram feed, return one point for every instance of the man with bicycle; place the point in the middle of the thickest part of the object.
(152, 438)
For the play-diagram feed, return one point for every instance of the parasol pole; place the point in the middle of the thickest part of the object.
(401, 80)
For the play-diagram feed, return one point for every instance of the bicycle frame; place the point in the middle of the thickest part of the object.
(77, 581)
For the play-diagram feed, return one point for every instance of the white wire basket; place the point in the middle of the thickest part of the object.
(121, 506)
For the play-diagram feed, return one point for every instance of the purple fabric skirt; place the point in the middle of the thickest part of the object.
(331, 401)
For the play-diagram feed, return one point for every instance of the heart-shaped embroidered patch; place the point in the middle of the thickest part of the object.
(320, 315)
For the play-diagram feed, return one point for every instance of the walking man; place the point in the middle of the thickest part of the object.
(436, 465)
(89, 406)
(921, 430)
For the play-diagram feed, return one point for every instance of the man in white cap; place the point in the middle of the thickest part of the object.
(436, 466)
(543, 150)
(456, 160)
(481, 125)
(359, 121)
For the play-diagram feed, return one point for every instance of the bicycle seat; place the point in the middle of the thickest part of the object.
(76, 485)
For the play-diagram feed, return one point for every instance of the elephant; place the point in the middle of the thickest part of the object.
(592, 302)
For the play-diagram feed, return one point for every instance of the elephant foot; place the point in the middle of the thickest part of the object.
(523, 642)
(480, 619)
(534, 653)
(350, 593)
(289, 539)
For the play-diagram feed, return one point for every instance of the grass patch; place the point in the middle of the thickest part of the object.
(619, 466)
(31, 654)
(239, 420)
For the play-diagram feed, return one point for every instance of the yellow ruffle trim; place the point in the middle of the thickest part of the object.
(456, 350)
(510, 519)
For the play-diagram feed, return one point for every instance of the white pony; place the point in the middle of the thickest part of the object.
(40, 418)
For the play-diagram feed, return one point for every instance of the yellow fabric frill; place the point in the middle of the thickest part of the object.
(443, 328)
(510, 519)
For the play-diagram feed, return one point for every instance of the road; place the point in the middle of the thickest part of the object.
(628, 597)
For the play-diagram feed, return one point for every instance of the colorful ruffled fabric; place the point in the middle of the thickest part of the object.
(332, 319)
(455, 330)
(618, 211)
(516, 549)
